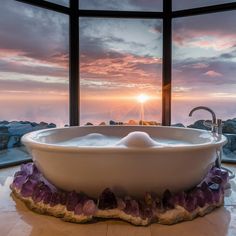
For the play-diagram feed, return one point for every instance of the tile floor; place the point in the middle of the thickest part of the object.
(17, 220)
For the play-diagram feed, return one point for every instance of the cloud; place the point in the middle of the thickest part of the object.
(27, 86)
(156, 29)
(34, 41)
(125, 70)
(16, 61)
(229, 55)
(197, 65)
(212, 73)
(180, 90)
(115, 59)
(153, 5)
(185, 75)
(213, 42)
(38, 33)
(211, 31)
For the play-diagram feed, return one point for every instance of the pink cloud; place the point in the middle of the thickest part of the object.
(21, 58)
(210, 40)
(198, 65)
(205, 36)
(212, 73)
(216, 43)
(124, 68)
(18, 61)
(155, 30)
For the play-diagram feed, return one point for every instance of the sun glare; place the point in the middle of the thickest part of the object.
(142, 98)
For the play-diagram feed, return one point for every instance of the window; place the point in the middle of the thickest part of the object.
(120, 59)
(204, 65)
(33, 64)
(33, 75)
(204, 68)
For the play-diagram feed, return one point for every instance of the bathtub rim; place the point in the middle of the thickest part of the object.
(29, 141)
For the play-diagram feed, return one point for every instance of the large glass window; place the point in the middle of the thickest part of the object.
(33, 74)
(33, 64)
(119, 60)
(204, 65)
(204, 68)
(124, 5)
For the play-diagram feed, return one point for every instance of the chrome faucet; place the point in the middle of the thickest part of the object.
(216, 128)
(216, 125)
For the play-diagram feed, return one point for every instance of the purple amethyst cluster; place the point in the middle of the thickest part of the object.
(29, 183)
(210, 191)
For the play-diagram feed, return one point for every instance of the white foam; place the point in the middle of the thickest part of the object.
(93, 139)
(137, 139)
(133, 139)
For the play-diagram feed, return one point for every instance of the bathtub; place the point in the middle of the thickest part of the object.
(134, 166)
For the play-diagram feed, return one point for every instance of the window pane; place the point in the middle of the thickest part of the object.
(33, 70)
(119, 60)
(186, 4)
(125, 5)
(65, 3)
(204, 66)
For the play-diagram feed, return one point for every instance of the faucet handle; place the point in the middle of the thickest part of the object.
(219, 125)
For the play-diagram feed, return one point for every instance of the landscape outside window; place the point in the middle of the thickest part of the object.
(33, 71)
(119, 60)
(204, 65)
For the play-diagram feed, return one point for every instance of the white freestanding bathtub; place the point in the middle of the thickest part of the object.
(139, 159)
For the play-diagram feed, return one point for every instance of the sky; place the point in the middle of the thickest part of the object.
(204, 65)
(119, 59)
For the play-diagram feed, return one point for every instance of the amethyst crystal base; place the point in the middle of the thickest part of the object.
(41, 196)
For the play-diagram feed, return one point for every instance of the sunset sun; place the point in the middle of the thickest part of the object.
(142, 98)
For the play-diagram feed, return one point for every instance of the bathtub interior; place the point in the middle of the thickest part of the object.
(191, 136)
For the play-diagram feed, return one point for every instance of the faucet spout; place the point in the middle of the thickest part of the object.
(207, 109)
(216, 128)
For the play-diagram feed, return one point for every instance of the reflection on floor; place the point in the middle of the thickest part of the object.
(13, 156)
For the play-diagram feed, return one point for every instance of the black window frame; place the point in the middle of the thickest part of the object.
(167, 15)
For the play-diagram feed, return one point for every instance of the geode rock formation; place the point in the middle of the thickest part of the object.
(39, 195)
